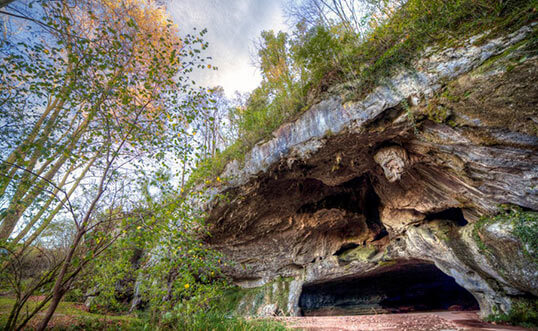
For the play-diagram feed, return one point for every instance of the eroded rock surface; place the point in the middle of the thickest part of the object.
(350, 189)
(393, 160)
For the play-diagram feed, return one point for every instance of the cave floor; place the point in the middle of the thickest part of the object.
(431, 321)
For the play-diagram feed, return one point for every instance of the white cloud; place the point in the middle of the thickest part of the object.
(233, 26)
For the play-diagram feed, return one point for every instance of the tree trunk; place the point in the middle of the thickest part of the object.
(22, 199)
(58, 290)
(59, 286)
(17, 156)
(50, 311)
(59, 206)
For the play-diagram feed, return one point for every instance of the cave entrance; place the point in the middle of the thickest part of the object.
(403, 287)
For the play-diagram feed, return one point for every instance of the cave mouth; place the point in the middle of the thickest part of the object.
(403, 287)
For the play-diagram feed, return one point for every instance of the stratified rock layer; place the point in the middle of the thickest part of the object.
(349, 189)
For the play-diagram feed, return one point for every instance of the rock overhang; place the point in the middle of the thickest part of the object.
(364, 174)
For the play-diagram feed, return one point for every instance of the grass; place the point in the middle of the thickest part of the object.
(362, 64)
(73, 316)
(218, 322)
(230, 299)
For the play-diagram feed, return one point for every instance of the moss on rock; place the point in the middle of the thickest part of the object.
(524, 312)
(361, 253)
(269, 299)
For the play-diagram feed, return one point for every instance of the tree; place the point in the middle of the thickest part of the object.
(84, 96)
(106, 90)
(283, 77)
(353, 15)
(281, 93)
(211, 121)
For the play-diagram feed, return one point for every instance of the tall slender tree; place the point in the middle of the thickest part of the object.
(102, 92)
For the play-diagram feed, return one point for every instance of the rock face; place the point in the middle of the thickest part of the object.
(393, 160)
(351, 190)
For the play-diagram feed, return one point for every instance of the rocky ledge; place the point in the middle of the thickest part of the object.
(404, 180)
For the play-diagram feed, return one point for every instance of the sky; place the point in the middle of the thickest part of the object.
(233, 27)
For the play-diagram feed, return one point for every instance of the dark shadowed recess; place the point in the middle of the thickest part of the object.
(404, 287)
(356, 196)
(454, 214)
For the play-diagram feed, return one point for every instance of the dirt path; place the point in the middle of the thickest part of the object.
(431, 321)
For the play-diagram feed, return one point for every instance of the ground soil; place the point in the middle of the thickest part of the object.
(430, 321)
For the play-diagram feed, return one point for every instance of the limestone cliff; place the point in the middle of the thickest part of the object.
(409, 175)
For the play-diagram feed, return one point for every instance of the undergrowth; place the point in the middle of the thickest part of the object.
(524, 312)
(72, 317)
(211, 167)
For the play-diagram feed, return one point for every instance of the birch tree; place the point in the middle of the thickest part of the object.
(101, 91)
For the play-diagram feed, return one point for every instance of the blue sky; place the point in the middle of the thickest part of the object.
(233, 27)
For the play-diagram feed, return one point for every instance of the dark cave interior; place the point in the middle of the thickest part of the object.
(403, 287)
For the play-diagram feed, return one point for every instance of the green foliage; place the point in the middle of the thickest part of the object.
(176, 274)
(78, 319)
(213, 166)
(247, 301)
(524, 312)
(102, 323)
(74, 295)
(104, 91)
(418, 24)
(477, 227)
(321, 51)
(182, 271)
(260, 117)
(230, 298)
(213, 310)
(396, 41)
(526, 228)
